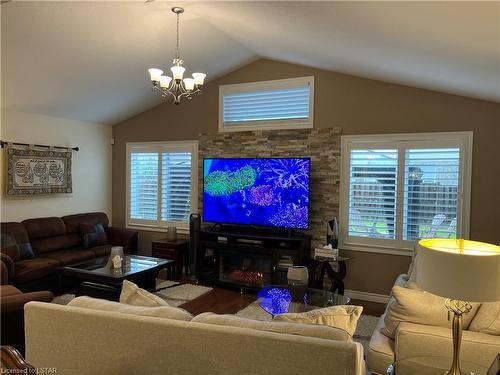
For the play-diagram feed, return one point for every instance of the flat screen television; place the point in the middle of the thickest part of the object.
(263, 192)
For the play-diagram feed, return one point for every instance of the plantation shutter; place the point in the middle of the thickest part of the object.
(176, 186)
(432, 178)
(372, 193)
(143, 185)
(267, 105)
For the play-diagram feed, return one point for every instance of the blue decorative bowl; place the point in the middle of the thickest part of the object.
(274, 300)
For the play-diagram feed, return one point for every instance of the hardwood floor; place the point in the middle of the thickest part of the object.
(220, 301)
(229, 301)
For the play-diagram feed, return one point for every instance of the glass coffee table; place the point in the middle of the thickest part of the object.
(281, 299)
(94, 277)
(431, 365)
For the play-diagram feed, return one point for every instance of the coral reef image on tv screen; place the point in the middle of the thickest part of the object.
(269, 192)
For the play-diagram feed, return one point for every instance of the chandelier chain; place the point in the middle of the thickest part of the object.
(177, 55)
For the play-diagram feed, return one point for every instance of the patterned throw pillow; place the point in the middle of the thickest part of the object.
(93, 235)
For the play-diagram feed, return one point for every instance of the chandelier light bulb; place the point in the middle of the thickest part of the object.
(155, 74)
(199, 78)
(177, 71)
(165, 81)
(189, 83)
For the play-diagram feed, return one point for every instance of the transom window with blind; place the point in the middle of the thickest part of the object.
(161, 184)
(267, 105)
(396, 189)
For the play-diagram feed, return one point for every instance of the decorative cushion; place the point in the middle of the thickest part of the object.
(14, 250)
(343, 316)
(25, 251)
(9, 247)
(168, 312)
(420, 307)
(309, 330)
(93, 235)
(487, 319)
(133, 295)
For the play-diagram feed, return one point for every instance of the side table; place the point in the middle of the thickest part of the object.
(174, 250)
(321, 266)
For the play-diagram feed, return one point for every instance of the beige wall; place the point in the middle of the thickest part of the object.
(91, 165)
(359, 106)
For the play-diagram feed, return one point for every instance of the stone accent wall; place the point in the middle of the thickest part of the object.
(321, 145)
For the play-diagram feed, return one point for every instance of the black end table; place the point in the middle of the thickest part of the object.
(176, 251)
(321, 266)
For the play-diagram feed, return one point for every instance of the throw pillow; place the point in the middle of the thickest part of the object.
(487, 319)
(168, 312)
(309, 330)
(93, 235)
(344, 317)
(419, 307)
(133, 295)
(26, 251)
(8, 246)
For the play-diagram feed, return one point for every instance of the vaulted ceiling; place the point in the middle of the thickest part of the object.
(88, 60)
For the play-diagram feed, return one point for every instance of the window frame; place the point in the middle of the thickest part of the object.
(403, 142)
(160, 147)
(271, 124)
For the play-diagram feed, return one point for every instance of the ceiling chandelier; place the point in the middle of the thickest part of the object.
(176, 86)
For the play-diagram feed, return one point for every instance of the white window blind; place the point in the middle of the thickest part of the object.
(396, 189)
(161, 183)
(176, 186)
(372, 193)
(267, 105)
(279, 104)
(143, 185)
(432, 178)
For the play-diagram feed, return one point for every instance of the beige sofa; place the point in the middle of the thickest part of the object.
(80, 341)
(414, 340)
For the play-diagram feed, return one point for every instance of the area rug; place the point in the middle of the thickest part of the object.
(364, 330)
(174, 293)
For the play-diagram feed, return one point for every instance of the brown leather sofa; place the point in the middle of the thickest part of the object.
(12, 302)
(54, 242)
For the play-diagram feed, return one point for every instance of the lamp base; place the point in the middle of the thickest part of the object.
(458, 308)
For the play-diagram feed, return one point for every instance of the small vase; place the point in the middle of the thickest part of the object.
(172, 234)
(298, 279)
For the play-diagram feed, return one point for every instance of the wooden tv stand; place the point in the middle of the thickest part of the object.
(249, 259)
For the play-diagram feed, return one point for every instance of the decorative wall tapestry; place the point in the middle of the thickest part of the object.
(33, 172)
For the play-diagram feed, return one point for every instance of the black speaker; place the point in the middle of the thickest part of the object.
(194, 243)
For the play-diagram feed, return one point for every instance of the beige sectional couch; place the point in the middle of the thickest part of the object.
(414, 340)
(81, 340)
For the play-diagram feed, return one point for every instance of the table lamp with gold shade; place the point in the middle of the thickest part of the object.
(463, 271)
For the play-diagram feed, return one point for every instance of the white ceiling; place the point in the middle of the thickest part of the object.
(88, 60)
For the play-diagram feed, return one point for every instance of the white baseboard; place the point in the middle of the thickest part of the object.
(365, 296)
